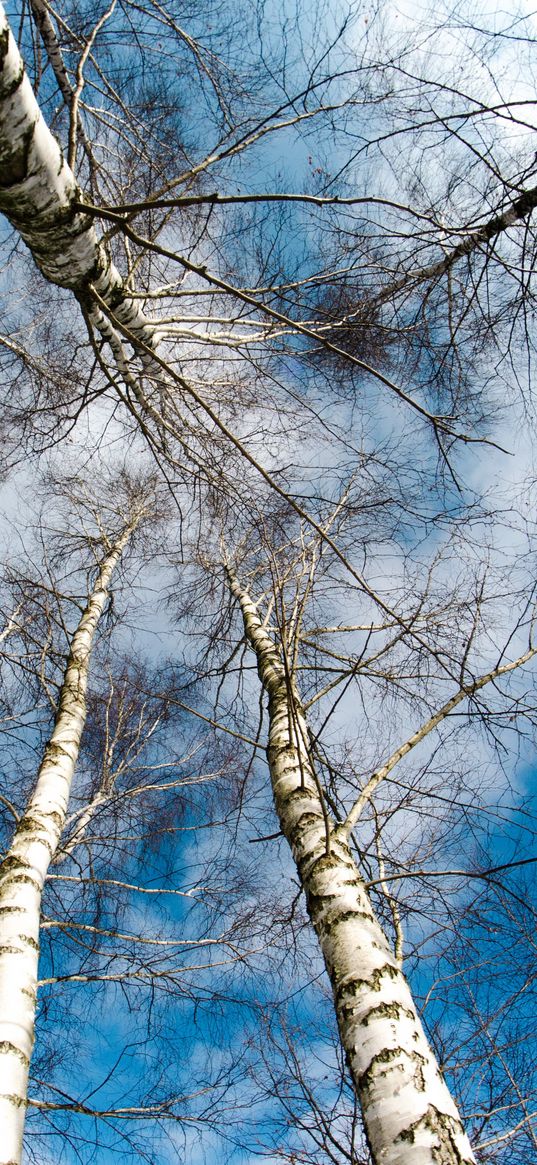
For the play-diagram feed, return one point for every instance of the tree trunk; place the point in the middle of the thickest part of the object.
(409, 1115)
(39, 196)
(24, 869)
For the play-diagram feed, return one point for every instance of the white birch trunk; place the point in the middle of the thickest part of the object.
(24, 869)
(409, 1115)
(38, 194)
(46, 28)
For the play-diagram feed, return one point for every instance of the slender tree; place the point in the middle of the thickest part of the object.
(407, 1109)
(34, 846)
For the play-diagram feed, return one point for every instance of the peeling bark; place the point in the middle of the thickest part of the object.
(409, 1115)
(24, 869)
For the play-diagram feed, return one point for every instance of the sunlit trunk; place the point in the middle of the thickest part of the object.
(39, 193)
(409, 1115)
(25, 866)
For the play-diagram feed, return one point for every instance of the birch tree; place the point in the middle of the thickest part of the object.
(35, 843)
(119, 934)
(267, 330)
(407, 1110)
(42, 199)
(128, 939)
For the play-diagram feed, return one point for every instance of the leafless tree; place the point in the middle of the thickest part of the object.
(323, 352)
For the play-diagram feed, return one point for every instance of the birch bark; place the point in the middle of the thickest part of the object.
(24, 868)
(409, 1115)
(39, 196)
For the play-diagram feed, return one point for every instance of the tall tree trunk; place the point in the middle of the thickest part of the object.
(25, 866)
(39, 195)
(409, 1115)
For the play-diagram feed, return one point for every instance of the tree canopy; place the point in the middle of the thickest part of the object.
(268, 590)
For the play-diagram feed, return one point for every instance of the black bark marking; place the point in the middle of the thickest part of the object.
(445, 1128)
(11, 862)
(29, 940)
(336, 918)
(11, 88)
(386, 1011)
(355, 986)
(17, 1101)
(24, 879)
(386, 1057)
(6, 1048)
(13, 168)
(4, 47)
